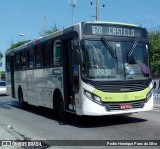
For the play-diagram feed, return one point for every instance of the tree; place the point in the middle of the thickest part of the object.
(2, 75)
(155, 53)
(19, 43)
(49, 31)
(1, 55)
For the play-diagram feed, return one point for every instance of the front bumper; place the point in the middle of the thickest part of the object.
(93, 109)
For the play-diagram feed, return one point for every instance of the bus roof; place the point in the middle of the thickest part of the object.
(36, 41)
(60, 32)
(114, 23)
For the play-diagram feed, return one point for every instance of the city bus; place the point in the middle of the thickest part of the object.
(91, 68)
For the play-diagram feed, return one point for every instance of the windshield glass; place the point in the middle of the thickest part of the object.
(98, 61)
(136, 60)
(131, 62)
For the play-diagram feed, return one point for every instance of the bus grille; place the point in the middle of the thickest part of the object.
(116, 106)
(122, 88)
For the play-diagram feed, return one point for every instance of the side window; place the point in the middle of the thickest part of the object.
(47, 54)
(57, 57)
(24, 60)
(38, 57)
(8, 63)
(17, 61)
(31, 58)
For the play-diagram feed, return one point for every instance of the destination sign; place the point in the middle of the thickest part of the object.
(114, 30)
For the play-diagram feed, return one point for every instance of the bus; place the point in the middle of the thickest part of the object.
(91, 68)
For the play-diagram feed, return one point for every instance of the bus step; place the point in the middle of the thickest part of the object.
(72, 107)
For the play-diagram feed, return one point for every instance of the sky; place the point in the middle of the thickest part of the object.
(27, 16)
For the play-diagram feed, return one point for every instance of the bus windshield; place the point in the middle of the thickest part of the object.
(129, 63)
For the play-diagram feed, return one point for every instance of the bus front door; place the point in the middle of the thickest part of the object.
(68, 75)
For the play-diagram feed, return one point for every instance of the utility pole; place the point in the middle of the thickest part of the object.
(44, 26)
(97, 9)
(73, 5)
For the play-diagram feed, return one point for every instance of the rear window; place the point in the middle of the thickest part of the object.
(2, 83)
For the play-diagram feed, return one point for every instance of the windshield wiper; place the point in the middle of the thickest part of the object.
(132, 49)
(106, 44)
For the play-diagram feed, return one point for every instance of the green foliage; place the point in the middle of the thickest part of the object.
(155, 53)
(49, 31)
(2, 75)
(19, 43)
(1, 55)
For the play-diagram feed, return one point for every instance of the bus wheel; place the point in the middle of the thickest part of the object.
(61, 109)
(21, 101)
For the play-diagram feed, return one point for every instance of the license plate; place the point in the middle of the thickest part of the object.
(126, 106)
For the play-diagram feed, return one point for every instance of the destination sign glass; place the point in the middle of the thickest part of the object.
(114, 30)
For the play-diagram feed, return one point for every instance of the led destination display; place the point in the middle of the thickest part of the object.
(115, 30)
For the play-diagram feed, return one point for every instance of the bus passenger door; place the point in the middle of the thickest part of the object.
(12, 75)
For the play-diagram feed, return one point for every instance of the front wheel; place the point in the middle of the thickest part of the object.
(21, 101)
(61, 109)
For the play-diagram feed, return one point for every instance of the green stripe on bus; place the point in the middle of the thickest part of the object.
(122, 97)
(116, 23)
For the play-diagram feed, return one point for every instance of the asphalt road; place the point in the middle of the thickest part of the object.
(41, 124)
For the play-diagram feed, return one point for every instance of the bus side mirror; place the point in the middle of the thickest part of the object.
(78, 57)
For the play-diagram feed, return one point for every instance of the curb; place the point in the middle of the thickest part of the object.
(10, 131)
(156, 105)
(6, 135)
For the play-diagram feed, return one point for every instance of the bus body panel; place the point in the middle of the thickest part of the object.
(37, 85)
(8, 83)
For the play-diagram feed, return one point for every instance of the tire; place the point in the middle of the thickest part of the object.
(21, 101)
(61, 109)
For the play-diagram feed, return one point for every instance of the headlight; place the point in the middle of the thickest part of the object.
(151, 85)
(92, 97)
(88, 94)
(96, 98)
